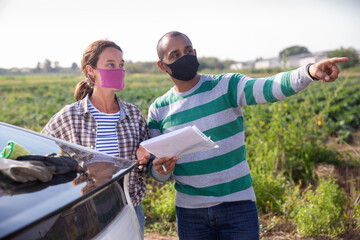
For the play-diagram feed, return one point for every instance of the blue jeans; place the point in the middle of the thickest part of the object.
(228, 220)
(141, 217)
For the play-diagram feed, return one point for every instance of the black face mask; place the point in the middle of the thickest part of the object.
(185, 68)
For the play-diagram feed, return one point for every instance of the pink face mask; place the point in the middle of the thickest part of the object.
(112, 78)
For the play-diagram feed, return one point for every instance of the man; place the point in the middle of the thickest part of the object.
(215, 198)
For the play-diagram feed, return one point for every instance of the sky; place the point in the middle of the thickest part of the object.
(240, 30)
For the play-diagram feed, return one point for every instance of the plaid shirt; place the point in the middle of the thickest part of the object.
(75, 124)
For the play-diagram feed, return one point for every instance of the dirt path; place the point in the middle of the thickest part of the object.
(157, 236)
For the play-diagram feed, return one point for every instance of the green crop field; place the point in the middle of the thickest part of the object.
(287, 143)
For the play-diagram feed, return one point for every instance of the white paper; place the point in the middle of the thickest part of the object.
(182, 142)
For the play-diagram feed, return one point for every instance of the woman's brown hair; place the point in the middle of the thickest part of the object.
(91, 57)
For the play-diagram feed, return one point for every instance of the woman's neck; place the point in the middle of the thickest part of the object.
(104, 100)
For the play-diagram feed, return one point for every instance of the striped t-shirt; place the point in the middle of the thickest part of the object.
(106, 140)
(214, 105)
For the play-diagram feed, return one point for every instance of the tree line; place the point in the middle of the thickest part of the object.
(206, 63)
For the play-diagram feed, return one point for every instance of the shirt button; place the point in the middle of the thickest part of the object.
(92, 146)
(93, 129)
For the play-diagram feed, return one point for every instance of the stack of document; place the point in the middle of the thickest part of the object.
(182, 142)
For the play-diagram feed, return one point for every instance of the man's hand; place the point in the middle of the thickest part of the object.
(326, 70)
(165, 163)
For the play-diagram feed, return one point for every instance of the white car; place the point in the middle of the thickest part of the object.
(73, 205)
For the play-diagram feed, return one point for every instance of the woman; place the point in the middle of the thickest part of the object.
(100, 120)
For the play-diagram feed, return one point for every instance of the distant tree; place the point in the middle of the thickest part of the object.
(56, 66)
(141, 67)
(228, 63)
(38, 67)
(210, 63)
(47, 65)
(294, 50)
(74, 66)
(350, 52)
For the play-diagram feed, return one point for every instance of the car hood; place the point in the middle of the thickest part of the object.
(23, 204)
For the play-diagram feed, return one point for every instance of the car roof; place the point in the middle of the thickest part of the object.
(23, 204)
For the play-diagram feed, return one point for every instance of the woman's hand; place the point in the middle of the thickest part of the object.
(142, 155)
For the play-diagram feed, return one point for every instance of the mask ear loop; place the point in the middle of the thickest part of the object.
(89, 81)
(167, 66)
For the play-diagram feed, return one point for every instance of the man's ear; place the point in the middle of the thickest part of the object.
(161, 66)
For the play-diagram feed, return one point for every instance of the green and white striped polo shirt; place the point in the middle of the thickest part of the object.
(214, 105)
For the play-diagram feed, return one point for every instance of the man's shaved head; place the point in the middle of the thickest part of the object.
(163, 40)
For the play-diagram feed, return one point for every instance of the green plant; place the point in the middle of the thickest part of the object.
(269, 190)
(159, 208)
(357, 211)
(322, 212)
(353, 211)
